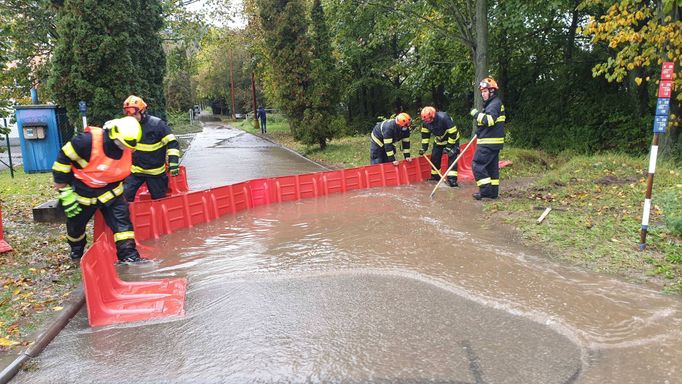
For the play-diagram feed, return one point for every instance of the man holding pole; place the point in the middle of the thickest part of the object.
(490, 132)
(446, 139)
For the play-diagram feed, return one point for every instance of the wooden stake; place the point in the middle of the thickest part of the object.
(544, 214)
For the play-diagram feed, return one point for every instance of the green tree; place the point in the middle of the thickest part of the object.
(28, 35)
(106, 51)
(641, 35)
(318, 123)
(92, 59)
(284, 28)
(147, 53)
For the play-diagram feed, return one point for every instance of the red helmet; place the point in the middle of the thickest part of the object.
(428, 113)
(489, 83)
(134, 104)
(403, 119)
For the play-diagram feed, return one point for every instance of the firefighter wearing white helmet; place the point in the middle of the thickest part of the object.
(386, 135)
(157, 145)
(89, 173)
(490, 132)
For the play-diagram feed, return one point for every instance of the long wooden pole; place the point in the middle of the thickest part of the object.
(442, 177)
(433, 166)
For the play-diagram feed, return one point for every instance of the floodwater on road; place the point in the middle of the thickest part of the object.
(382, 285)
(222, 155)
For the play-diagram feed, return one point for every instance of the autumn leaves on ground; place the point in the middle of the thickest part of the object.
(37, 276)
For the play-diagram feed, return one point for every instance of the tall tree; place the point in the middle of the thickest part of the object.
(29, 34)
(92, 60)
(641, 35)
(318, 119)
(147, 54)
(288, 47)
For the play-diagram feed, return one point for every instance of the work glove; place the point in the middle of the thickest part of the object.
(473, 112)
(421, 152)
(449, 151)
(174, 169)
(69, 202)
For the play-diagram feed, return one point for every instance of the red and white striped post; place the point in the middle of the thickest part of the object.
(660, 125)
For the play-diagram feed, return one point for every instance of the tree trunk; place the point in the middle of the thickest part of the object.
(480, 51)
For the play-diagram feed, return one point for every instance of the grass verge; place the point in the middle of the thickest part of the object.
(37, 276)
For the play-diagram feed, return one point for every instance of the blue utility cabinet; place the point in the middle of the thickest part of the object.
(43, 129)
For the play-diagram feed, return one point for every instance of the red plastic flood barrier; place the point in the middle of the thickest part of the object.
(176, 185)
(4, 246)
(154, 218)
(111, 300)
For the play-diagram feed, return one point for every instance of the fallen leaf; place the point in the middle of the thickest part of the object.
(7, 342)
(57, 308)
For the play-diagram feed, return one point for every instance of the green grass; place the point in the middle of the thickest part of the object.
(597, 202)
(38, 275)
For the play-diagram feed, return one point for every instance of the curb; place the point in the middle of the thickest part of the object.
(73, 304)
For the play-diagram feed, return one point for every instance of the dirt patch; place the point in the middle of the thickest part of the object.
(613, 180)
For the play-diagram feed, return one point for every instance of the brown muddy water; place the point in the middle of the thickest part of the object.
(382, 285)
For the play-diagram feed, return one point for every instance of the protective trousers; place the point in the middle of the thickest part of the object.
(157, 185)
(436, 157)
(377, 154)
(116, 216)
(487, 171)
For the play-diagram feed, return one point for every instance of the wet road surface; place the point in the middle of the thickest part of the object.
(381, 285)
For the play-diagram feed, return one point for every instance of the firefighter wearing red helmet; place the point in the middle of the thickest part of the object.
(490, 131)
(386, 135)
(149, 160)
(445, 139)
(89, 173)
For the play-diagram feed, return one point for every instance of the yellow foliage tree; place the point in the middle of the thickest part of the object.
(642, 35)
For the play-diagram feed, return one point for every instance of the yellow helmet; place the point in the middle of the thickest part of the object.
(127, 130)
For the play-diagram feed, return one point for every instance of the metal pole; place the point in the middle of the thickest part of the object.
(660, 124)
(647, 194)
(232, 84)
(9, 152)
(253, 95)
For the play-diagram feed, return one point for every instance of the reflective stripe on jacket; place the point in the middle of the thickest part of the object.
(490, 124)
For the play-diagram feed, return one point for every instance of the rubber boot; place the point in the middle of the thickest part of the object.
(452, 182)
(434, 177)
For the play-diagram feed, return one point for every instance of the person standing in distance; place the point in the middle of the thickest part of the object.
(263, 119)
(89, 173)
(490, 131)
(384, 137)
(445, 139)
(149, 160)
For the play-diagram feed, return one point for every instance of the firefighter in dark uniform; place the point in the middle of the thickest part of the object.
(384, 137)
(445, 138)
(149, 159)
(89, 173)
(490, 131)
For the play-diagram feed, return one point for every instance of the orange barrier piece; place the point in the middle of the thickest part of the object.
(111, 300)
(176, 185)
(4, 246)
